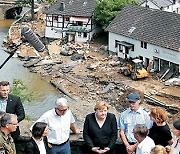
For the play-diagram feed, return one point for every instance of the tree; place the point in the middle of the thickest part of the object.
(18, 88)
(107, 10)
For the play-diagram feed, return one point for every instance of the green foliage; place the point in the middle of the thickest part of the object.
(24, 2)
(18, 88)
(50, 1)
(27, 117)
(107, 10)
(29, 2)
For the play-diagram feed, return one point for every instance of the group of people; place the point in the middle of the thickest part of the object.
(141, 131)
(11, 113)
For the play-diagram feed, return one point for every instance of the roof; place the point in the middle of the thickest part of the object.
(83, 8)
(159, 3)
(149, 25)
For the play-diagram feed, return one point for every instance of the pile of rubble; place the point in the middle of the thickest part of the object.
(84, 72)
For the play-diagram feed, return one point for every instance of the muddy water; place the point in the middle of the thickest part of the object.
(44, 93)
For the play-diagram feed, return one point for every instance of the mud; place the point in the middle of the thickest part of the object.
(87, 73)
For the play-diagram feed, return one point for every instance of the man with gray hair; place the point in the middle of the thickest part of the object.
(145, 143)
(9, 124)
(60, 121)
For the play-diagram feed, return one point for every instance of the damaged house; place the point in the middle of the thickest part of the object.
(151, 35)
(164, 5)
(71, 19)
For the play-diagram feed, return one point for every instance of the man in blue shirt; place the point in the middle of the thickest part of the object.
(11, 104)
(133, 115)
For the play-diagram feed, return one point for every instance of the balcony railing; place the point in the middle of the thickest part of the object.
(77, 29)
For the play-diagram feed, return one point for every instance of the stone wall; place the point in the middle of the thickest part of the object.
(4, 8)
(77, 145)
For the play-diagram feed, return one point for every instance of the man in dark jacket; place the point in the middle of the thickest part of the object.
(11, 104)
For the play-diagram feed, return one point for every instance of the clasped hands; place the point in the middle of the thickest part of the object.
(131, 149)
(98, 150)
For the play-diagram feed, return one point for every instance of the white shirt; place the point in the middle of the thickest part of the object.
(145, 146)
(41, 146)
(59, 126)
(175, 147)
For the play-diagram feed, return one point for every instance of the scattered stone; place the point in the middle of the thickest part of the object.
(106, 89)
(31, 63)
(76, 57)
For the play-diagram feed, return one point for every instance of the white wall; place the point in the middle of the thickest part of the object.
(56, 32)
(171, 8)
(152, 50)
(174, 8)
(150, 4)
(51, 32)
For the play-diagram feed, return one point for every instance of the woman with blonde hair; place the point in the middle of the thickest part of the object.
(159, 149)
(160, 131)
(100, 130)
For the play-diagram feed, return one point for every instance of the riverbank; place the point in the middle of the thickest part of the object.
(84, 73)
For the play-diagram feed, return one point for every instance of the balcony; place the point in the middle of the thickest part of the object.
(77, 29)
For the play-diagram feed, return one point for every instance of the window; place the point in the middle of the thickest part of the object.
(85, 34)
(132, 49)
(55, 18)
(79, 34)
(79, 23)
(116, 43)
(143, 45)
(120, 48)
(49, 20)
(67, 19)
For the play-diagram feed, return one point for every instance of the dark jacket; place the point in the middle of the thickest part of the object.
(14, 106)
(106, 136)
(32, 148)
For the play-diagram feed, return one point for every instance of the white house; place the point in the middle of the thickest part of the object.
(150, 34)
(70, 18)
(165, 5)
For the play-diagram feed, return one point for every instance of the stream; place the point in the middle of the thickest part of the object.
(44, 93)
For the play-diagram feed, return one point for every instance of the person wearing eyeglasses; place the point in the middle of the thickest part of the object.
(60, 121)
(9, 124)
(176, 139)
(11, 104)
(38, 143)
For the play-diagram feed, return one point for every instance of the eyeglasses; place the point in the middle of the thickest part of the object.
(62, 110)
(14, 124)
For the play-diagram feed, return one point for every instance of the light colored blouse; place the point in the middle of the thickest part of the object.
(41, 146)
(176, 146)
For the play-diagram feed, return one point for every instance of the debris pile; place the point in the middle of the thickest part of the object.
(84, 72)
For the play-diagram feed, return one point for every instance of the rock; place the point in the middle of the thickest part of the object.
(64, 52)
(31, 63)
(76, 57)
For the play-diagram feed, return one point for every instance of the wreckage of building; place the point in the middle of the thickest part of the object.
(149, 34)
